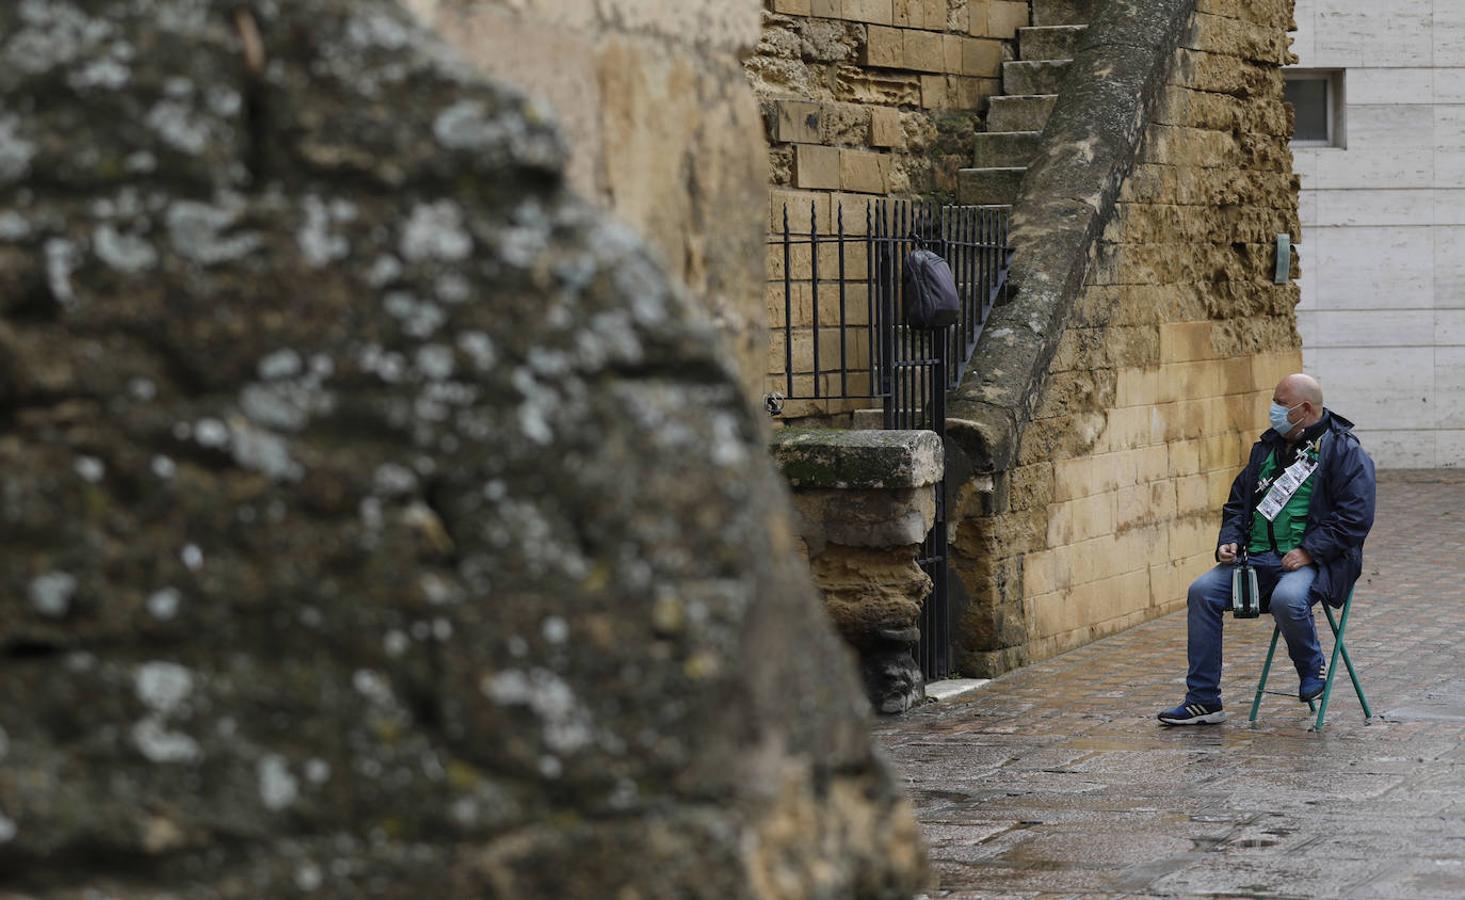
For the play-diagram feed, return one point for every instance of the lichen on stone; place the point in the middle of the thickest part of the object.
(330, 532)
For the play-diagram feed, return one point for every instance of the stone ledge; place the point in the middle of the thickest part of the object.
(1088, 147)
(858, 460)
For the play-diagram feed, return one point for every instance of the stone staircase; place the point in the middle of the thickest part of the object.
(1030, 89)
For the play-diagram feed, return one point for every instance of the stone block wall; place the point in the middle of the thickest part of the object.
(663, 129)
(866, 501)
(863, 99)
(1165, 358)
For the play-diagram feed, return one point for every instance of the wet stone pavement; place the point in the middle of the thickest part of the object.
(1057, 781)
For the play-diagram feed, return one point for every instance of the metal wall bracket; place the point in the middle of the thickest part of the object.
(1284, 259)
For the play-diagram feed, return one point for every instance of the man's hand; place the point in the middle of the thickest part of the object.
(1226, 553)
(1296, 560)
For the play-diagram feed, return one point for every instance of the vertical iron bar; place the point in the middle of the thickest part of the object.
(814, 285)
(788, 316)
(986, 262)
(887, 354)
(974, 273)
(870, 327)
(907, 221)
(897, 385)
(1003, 224)
(843, 361)
(941, 585)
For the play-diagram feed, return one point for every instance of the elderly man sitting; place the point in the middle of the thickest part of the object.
(1301, 509)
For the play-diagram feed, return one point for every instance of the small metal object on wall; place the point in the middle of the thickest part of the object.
(1284, 259)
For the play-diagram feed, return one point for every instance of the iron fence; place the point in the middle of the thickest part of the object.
(844, 337)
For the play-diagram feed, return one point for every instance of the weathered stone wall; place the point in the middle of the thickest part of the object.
(865, 501)
(662, 128)
(376, 517)
(1099, 482)
(863, 99)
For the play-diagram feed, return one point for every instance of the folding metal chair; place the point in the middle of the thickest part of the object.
(1339, 647)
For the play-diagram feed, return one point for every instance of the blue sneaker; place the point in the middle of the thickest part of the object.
(1312, 686)
(1192, 714)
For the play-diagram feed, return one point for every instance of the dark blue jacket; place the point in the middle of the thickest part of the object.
(1338, 516)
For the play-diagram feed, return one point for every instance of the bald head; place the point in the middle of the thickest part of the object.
(1302, 395)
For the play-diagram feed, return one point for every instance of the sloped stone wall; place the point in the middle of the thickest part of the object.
(662, 127)
(1116, 396)
(376, 517)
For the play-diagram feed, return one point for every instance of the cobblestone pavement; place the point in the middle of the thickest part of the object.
(1056, 780)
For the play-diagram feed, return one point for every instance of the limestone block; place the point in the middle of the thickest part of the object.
(878, 12)
(1137, 387)
(792, 7)
(1239, 38)
(802, 207)
(1225, 74)
(1080, 519)
(977, 11)
(858, 460)
(1143, 504)
(981, 59)
(1077, 477)
(865, 518)
(951, 50)
(1175, 145)
(828, 9)
(1186, 341)
(1193, 494)
(923, 51)
(885, 128)
(1050, 612)
(798, 122)
(1275, 13)
(920, 14)
(863, 171)
(816, 167)
(1193, 536)
(936, 92)
(1044, 572)
(971, 93)
(884, 47)
(935, 14)
(1005, 17)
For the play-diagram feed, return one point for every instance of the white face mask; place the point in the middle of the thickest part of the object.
(1278, 415)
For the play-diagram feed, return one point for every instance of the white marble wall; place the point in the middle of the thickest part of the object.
(1382, 315)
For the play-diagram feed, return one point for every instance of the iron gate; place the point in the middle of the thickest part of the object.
(845, 338)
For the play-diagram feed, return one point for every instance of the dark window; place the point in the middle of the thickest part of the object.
(1317, 99)
(1309, 97)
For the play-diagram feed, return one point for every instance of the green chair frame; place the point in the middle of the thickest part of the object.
(1339, 625)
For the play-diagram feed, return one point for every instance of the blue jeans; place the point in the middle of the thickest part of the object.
(1209, 595)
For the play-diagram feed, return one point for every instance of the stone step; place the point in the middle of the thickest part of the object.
(1021, 113)
(989, 187)
(1063, 12)
(1004, 149)
(1034, 77)
(1049, 41)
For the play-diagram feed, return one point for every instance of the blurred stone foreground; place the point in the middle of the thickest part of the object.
(375, 518)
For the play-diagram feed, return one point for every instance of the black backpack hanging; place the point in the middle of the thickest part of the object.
(931, 300)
